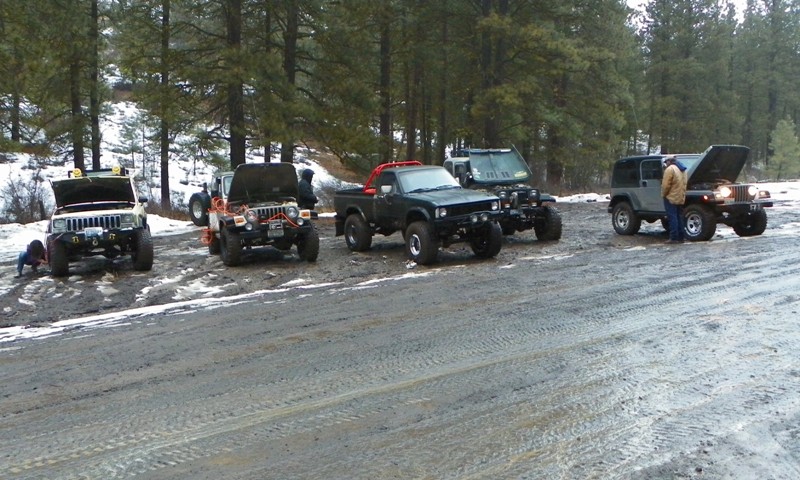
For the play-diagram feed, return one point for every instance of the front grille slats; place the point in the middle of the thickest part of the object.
(104, 221)
(740, 193)
(265, 213)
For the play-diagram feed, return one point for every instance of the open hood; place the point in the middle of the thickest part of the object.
(263, 182)
(74, 191)
(719, 162)
(498, 166)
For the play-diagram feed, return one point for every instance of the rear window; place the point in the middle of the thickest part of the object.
(626, 174)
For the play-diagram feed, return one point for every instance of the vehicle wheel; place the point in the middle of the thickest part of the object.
(57, 257)
(550, 228)
(213, 244)
(700, 223)
(625, 220)
(230, 248)
(198, 209)
(308, 246)
(487, 243)
(754, 223)
(421, 245)
(142, 253)
(356, 233)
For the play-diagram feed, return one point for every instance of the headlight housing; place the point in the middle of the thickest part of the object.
(752, 190)
(251, 216)
(495, 206)
(725, 192)
(292, 212)
(441, 212)
(59, 225)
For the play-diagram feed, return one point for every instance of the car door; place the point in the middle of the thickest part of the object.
(386, 194)
(652, 172)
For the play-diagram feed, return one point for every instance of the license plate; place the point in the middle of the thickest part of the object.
(275, 229)
(754, 207)
(93, 232)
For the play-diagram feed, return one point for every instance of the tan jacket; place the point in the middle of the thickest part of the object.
(673, 185)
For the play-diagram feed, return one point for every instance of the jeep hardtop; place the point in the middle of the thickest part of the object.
(712, 194)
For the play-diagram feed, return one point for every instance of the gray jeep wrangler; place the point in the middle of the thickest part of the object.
(712, 196)
(98, 213)
(503, 172)
(255, 205)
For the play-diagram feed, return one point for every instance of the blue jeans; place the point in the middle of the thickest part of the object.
(675, 220)
(25, 259)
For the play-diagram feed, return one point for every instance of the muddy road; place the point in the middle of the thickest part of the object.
(598, 356)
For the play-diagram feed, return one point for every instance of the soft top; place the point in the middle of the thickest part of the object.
(95, 189)
(263, 182)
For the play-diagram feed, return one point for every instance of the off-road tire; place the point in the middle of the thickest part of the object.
(356, 233)
(701, 223)
(213, 245)
(230, 248)
(57, 258)
(142, 252)
(488, 242)
(625, 220)
(550, 228)
(754, 223)
(422, 246)
(308, 246)
(198, 209)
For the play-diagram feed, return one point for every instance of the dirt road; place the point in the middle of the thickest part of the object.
(598, 356)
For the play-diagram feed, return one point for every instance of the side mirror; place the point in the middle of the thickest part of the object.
(386, 189)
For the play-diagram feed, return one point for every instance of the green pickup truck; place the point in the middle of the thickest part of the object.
(423, 202)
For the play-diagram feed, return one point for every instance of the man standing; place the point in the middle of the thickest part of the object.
(306, 197)
(673, 190)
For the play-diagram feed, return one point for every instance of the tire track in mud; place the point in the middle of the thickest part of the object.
(557, 409)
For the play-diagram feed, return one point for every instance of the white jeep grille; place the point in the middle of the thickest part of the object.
(265, 213)
(105, 221)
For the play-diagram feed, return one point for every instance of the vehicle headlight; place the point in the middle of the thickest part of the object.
(251, 216)
(752, 190)
(764, 194)
(473, 218)
(292, 212)
(484, 216)
(59, 225)
(441, 212)
(126, 218)
(495, 206)
(725, 192)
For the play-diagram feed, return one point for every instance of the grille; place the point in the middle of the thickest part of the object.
(105, 221)
(265, 213)
(740, 193)
(456, 210)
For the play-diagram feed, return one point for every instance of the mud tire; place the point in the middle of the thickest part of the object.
(213, 244)
(625, 220)
(754, 223)
(308, 246)
(230, 248)
(550, 228)
(356, 233)
(198, 209)
(701, 223)
(488, 242)
(421, 245)
(57, 257)
(142, 252)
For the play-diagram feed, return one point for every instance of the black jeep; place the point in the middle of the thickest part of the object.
(503, 172)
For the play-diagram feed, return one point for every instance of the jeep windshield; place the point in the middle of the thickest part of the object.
(93, 190)
(417, 180)
(498, 166)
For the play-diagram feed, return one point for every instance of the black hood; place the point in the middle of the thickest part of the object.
(719, 162)
(263, 182)
(74, 191)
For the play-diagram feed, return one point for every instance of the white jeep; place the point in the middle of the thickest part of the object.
(98, 213)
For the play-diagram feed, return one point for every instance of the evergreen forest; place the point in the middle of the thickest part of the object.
(573, 85)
